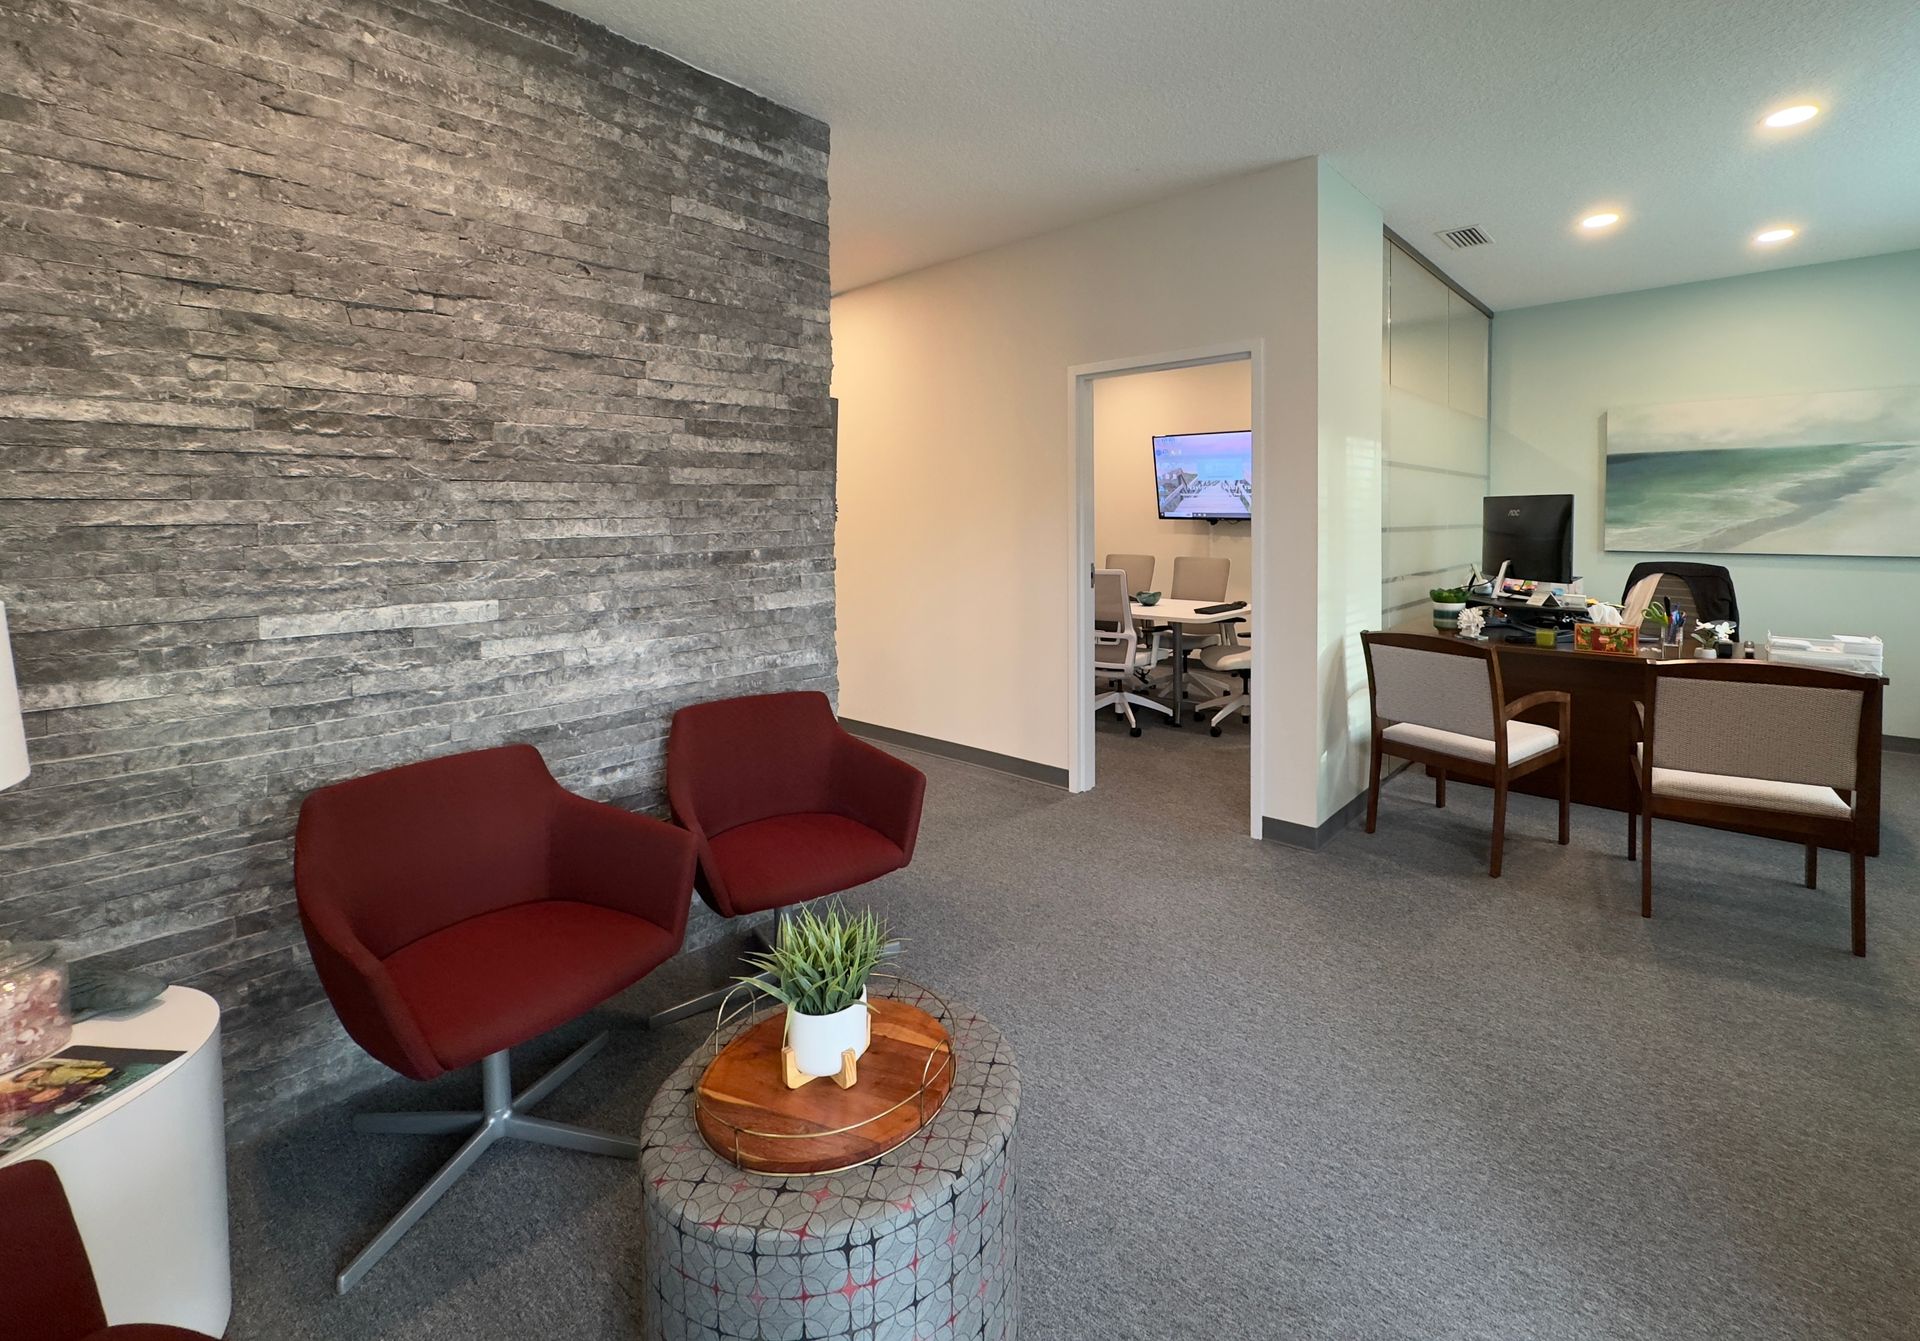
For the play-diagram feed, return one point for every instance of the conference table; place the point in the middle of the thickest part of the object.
(1175, 614)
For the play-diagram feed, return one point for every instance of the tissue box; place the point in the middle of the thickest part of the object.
(1613, 640)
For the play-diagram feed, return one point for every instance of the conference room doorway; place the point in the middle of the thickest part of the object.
(1165, 452)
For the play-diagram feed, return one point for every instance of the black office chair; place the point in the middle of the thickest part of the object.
(1708, 589)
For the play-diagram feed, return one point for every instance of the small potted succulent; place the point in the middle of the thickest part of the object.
(818, 969)
(1715, 639)
(1448, 602)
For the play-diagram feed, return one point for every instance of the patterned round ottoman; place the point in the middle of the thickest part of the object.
(919, 1245)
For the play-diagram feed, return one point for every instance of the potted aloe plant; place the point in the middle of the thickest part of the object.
(818, 968)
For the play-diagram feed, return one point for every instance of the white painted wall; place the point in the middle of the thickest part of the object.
(1127, 413)
(1844, 325)
(955, 461)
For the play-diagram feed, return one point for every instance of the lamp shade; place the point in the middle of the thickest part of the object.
(13, 728)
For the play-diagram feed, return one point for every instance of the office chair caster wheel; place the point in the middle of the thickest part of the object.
(1213, 731)
(1133, 730)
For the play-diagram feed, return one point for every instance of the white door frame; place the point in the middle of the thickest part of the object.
(1078, 693)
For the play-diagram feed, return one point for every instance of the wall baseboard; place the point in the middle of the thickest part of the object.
(1900, 744)
(965, 754)
(1305, 836)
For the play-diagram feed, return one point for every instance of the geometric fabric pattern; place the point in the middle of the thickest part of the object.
(921, 1245)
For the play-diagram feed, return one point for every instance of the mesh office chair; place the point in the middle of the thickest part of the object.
(1116, 649)
(1195, 578)
(1783, 752)
(1137, 567)
(1440, 703)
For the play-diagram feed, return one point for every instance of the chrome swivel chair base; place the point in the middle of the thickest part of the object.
(503, 1116)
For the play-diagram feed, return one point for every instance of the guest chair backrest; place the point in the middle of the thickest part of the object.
(1434, 682)
(410, 851)
(1114, 640)
(739, 760)
(1137, 567)
(46, 1282)
(1753, 720)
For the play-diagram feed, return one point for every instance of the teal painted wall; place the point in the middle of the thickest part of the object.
(1840, 326)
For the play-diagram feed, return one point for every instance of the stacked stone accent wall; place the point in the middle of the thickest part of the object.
(377, 380)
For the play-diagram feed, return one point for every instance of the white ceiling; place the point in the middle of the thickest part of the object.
(962, 124)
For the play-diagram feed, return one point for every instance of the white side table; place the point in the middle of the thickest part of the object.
(146, 1170)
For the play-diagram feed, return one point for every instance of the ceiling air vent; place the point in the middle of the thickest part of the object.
(1460, 238)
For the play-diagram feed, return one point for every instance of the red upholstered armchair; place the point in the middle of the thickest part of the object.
(47, 1288)
(459, 907)
(784, 805)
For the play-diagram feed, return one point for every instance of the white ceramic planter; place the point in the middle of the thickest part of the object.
(1446, 616)
(819, 1040)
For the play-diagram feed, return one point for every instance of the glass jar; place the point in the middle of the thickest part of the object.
(34, 1019)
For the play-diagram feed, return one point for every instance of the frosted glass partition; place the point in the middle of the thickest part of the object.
(1435, 436)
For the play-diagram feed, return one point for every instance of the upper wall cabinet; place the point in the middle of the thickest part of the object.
(1436, 340)
(1467, 331)
(1418, 331)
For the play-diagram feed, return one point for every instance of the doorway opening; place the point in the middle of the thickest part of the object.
(1166, 451)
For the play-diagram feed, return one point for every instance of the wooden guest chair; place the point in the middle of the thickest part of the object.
(1785, 752)
(1438, 702)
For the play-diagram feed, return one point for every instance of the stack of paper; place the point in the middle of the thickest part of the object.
(1842, 651)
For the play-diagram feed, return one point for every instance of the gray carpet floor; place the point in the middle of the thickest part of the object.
(1360, 1093)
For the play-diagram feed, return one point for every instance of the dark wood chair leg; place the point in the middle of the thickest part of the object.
(1813, 865)
(1499, 825)
(1633, 832)
(1646, 862)
(1373, 788)
(1440, 788)
(1859, 902)
(1566, 796)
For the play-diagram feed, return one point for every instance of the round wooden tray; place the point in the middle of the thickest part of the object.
(748, 1116)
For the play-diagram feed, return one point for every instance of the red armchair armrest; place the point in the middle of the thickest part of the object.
(882, 792)
(617, 859)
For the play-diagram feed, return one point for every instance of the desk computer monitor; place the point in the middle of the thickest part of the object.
(1532, 534)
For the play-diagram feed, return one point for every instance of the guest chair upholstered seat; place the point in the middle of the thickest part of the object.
(460, 907)
(1440, 702)
(47, 1288)
(1780, 752)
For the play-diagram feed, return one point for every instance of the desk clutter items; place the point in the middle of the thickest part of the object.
(818, 969)
(1844, 652)
(34, 1018)
(1448, 602)
(1147, 597)
(1471, 623)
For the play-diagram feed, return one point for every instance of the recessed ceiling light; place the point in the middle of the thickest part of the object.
(1790, 116)
(1604, 219)
(1767, 237)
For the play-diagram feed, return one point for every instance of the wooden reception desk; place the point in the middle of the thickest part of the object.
(1604, 690)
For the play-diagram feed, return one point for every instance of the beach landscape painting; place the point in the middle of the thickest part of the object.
(1829, 472)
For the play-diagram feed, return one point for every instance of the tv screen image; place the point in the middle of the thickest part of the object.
(1204, 476)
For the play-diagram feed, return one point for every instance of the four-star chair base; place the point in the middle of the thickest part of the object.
(502, 1116)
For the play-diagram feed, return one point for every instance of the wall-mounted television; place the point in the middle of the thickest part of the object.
(1204, 476)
